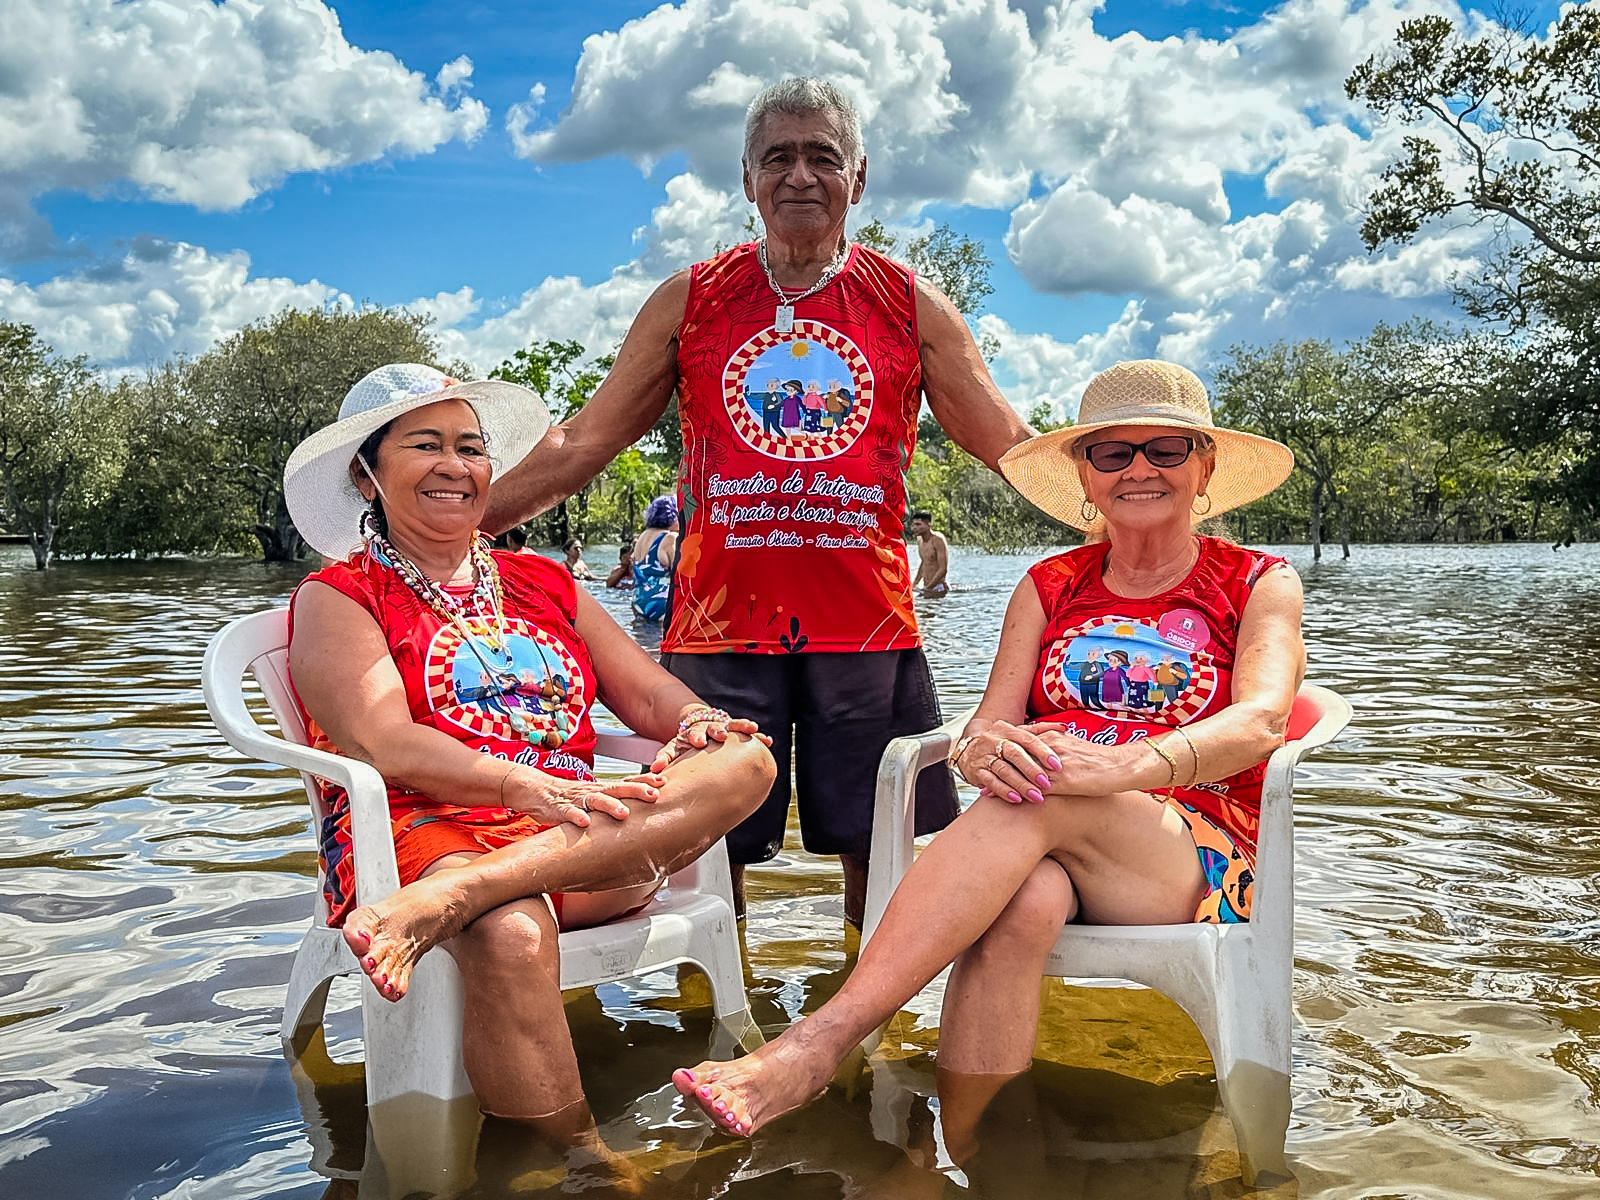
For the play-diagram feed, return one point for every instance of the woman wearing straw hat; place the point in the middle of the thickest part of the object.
(466, 678)
(1110, 816)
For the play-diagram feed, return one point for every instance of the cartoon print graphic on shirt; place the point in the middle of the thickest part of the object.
(531, 689)
(1134, 668)
(802, 396)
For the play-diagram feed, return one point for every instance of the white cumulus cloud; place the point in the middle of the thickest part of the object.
(157, 300)
(199, 103)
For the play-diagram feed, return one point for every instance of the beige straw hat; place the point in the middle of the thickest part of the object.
(322, 499)
(1145, 391)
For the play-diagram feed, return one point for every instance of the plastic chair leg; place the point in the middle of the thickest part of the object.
(1253, 1058)
(1257, 1101)
(322, 956)
(413, 1045)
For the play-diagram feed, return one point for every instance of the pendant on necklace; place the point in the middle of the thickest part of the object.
(520, 723)
(783, 322)
(485, 636)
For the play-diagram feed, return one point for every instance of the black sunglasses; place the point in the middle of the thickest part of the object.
(1168, 450)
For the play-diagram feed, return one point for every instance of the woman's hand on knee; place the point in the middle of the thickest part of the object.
(697, 735)
(553, 801)
(1012, 762)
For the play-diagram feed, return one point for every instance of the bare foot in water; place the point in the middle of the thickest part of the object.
(389, 937)
(743, 1095)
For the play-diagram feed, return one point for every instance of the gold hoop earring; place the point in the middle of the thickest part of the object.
(1200, 512)
(1087, 512)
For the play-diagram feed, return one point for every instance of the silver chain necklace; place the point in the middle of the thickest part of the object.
(783, 321)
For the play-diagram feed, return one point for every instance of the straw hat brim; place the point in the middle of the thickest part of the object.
(323, 501)
(1044, 471)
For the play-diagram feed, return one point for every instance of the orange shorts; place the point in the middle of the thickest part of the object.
(423, 833)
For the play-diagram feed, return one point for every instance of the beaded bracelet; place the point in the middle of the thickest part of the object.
(1166, 755)
(703, 715)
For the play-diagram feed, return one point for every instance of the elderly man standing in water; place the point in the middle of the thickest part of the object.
(792, 593)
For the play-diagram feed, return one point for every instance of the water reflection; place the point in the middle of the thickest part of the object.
(155, 885)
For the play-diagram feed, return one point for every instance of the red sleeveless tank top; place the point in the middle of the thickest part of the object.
(793, 512)
(1115, 670)
(527, 700)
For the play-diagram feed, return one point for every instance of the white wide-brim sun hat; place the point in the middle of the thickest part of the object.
(322, 497)
(1144, 391)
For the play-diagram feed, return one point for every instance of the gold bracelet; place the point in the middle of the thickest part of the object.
(1189, 742)
(1166, 755)
(503, 779)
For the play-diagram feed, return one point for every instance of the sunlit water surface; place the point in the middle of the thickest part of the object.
(154, 885)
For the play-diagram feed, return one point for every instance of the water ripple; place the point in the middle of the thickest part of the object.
(1447, 983)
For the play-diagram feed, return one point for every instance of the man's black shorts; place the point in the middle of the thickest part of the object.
(838, 711)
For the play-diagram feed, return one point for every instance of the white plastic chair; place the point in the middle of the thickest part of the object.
(413, 1046)
(1234, 981)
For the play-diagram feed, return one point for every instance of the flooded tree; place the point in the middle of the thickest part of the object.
(1508, 133)
(269, 386)
(61, 443)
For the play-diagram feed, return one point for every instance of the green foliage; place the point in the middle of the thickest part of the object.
(971, 505)
(564, 375)
(955, 263)
(1388, 437)
(61, 439)
(1510, 134)
(178, 494)
(273, 383)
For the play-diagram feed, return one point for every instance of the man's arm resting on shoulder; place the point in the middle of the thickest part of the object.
(964, 399)
(627, 403)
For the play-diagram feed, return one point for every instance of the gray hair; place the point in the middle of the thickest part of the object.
(801, 97)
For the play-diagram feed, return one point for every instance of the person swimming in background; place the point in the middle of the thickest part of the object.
(622, 574)
(573, 559)
(654, 552)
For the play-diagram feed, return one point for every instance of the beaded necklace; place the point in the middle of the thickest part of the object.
(470, 616)
(484, 601)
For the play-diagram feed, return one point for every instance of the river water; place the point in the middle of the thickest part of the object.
(153, 887)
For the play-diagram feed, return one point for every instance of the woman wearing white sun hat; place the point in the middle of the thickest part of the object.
(465, 677)
(1089, 809)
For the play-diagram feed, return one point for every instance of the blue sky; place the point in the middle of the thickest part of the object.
(1147, 177)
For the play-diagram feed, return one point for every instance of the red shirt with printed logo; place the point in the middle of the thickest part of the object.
(792, 527)
(1114, 669)
(524, 698)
